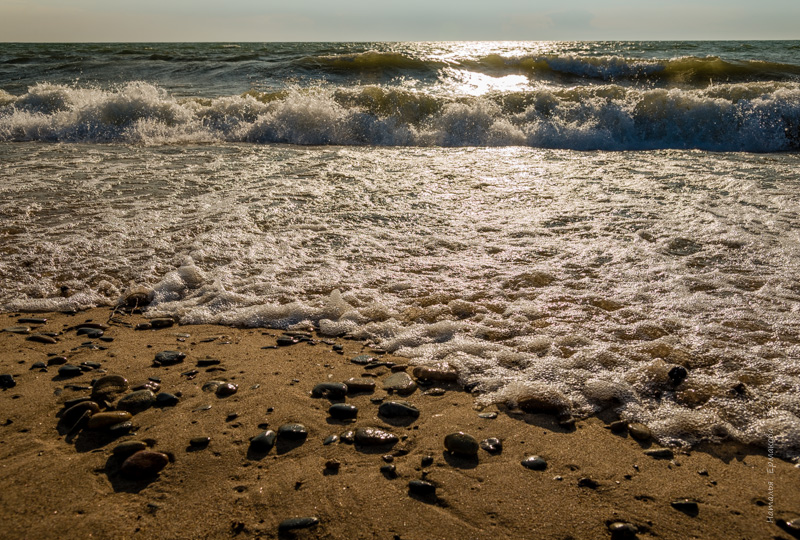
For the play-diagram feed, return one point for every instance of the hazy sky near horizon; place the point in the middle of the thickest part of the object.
(362, 20)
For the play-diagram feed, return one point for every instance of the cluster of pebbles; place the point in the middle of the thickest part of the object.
(108, 413)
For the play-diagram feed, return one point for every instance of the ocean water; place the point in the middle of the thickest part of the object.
(567, 220)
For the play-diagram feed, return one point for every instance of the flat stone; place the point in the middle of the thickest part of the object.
(487, 415)
(17, 329)
(343, 411)
(640, 432)
(330, 439)
(363, 359)
(263, 442)
(435, 392)
(162, 322)
(400, 382)
(330, 390)
(389, 471)
(56, 360)
(660, 453)
(421, 488)
(199, 442)
(371, 436)
(7, 381)
(444, 374)
(32, 320)
(136, 402)
(168, 358)
(588, 483)
(165, 399)
(39, 365)
(285, 341)
(151, 385)
(294, 524)
(205, 362)
(71, 415)
(144, 463)
(128, 448)
(294, 432)
(358, 385)
(41, 338)
(621, 530)
(68, 370)
(492, 445)
(534, 463)
(109, 418)
(226, 389)
(398, 409)
(107, 388)
(687, 506)
(461, 443)
(123, 428)
(91, 333)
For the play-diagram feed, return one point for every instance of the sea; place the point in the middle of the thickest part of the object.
(574, 221)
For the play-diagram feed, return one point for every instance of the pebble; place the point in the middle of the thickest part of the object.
(91, 333)
(461, 443)
(143, 464)
(400, 382)
(347, 437)
(128, 448)
(68, 370)
(435, 392)
(136, 402)
(144, 326)
(107, 388)
(41, 338)
(211, 386)
(677, 375)
(343, 411)
(421, 487)
(398, 409)
(389, 471)
(263, 442)
(660, 453)
(74, 412)
(205, 362)
(168, 358)
(199, 442)
(330, 390)
(371, 436)
(285, 341)
(435, 374)
(492, 445)
(621, 530)
(488, 415)
(358, 385)
(56, 360)
(226, 389)
(31, 320)
(686, 506)
(363, 359)
(535, 463)
(330, 439)
(165, 399)
(39, 365)
(151, 385)
(297, 523)
(426, 461)
(294, 432)
(7, 381)
(161, 322)
(202, 408)
(620, 426)
(107, 419)
(640, 432)
(17, 329)
(123, 428)
(547, 403)
(588, 483)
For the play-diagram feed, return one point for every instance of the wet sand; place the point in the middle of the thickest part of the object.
(60, 486)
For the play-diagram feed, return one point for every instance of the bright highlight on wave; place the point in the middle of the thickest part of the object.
(755, 116)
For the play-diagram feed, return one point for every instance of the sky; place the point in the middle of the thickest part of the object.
(406, 20)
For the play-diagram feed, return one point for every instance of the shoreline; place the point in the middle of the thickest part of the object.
(593, 477)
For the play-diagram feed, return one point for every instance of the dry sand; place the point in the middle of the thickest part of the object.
(53, 486)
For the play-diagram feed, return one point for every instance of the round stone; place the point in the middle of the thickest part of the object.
(294, 524)
(398, 409)
(294, 432)
(136, 402)
(165, 399)
(640, 432)
(421, 488)
(263, 442)
(534, 463)
(226, 389)
(492, 445)
(108, 419)
(371, 436)
(330, 390)
(128, 448)
(343, 411)
(56, 360)
(677, 375)
(144, 463)
(461, 443)
(68, 370)
(7, 381)
(107, 388)
(389, 471)
(400, 382)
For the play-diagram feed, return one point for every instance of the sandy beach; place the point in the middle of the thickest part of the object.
(61, 481)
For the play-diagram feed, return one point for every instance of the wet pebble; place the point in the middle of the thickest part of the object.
(492, 445)
(165, 399)
(534, 463)
(17, 329)
(660, 453)
(107, 419)
(488, 415)
(42, 338)
(426, 461)
(330, 439)
(263, 442)
(330, 390)
(38, 365)
(211, 386)
(461, 443)
(199, 442)
(144, 463)
(687, 506)
(389, 471)
(347, 437)
(621, 530)
(359, 385)
(293, 432)
(122, 428)
(7, 381)
(161, 322)
(363, 359)
(398, 409)
(91, 333)
(588, 483)
(56, 360)
(68, 370)
(421, 488)
(371, 436)
(620, 426)
(168, 358)
(32, 320)
(136, 402)
(401, 382)
(206, 362)
(74, 412)
(677, 375)
(226, 389)
(435, 373)
(285, 341)
(640, 432)
(343, 411)
(128, 448)
(435, 392)
(107, 388)
(294, 524)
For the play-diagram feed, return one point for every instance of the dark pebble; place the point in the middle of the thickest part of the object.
(41, 338)
(7, 381)
(168, 358)
(165, 399)
(137, 402)
(343, 411)
(263, 442)
(359, 385)
(128, 448)
(330, 439)
(72, 414)
(37, 365)
(68, 370)
(285, 341)
(107, 419)
(330, 390)
(31, 320)
(363, 359)
(91, 333)
(493, 445)
(18, 329)
(686, 506)
(677, 375)
(398, 409)
(347, 437)
(461, 443)
(199, 442)
(144, 326)
(622, 531)
(294, 432)
(435, 374)
(401, 382)
(374, 437)
(421, 487)
(56, 360)
(426, 461)
(588, 483)
(620, 426)
(297, 523)
(389, 471)
(162, 322)
(144, 463)
(535, 463)
(640, 432)
(123, 428)
(205, 362)
(660, 453)
(226, 389)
